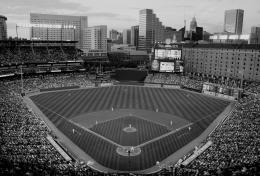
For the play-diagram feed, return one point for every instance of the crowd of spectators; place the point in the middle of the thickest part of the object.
(253, 88)
(235, 149)
(24, 147)
(26, 151)
(195, 81)
(185, 81)
(35, 83)
(30, 54)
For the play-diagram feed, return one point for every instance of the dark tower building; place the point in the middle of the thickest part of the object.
(134, 35)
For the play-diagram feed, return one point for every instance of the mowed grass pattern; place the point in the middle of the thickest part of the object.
(113, 130)
(59, 106)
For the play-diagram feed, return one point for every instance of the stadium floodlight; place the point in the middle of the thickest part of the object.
(22, 92)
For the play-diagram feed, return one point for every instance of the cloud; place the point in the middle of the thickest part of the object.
(134, 8)
(50, 6)
(211, 26)
(183, 6)
(102, 14)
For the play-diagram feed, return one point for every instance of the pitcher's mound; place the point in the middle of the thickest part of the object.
(128, 151)
(129, 129)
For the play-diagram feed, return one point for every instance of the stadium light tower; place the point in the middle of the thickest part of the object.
(21, 68)
(241, 72)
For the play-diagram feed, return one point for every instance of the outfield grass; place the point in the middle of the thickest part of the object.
(197, 110)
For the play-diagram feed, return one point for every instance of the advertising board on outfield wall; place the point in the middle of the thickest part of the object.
(220, 91)
(152, 85)
(171, 86)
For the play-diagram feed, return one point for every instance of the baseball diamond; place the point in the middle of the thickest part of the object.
(108, 123)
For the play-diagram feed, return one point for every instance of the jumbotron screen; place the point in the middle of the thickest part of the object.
(172, 54)
(166, 66)
(162, 66)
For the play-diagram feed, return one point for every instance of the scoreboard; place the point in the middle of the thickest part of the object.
(171, 54)
(167, 58)
(167, 67)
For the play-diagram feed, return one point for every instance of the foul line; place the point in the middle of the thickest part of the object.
(118, 145)
(92, 132)
(174, 131)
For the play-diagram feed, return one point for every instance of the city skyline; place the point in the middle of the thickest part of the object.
(123, 14)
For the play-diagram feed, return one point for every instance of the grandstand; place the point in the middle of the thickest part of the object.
(56, 79)
(27, 51)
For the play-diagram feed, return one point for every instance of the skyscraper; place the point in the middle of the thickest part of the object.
(234, 21)
(3, 28)
(134, 35)
(97, 38)
(150, 30)
(169, 33)
(255, 35)
(199, 33)
(59, 28)
(126, 36)
(193, 25)
(113, 34)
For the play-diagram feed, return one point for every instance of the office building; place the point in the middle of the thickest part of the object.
(233, 22)
(109, 45)
(97, 42)
(59, 28)
(255, 35)
(134, 35)
(97, 38)
(199, 33)
(122, 47)
(151, 30)
(177, 36)
(114, 35)
(206, 35)
(3, 28)
(180, 34)
(127, 36)
(169, 33)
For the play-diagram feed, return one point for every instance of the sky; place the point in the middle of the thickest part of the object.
(122, 14)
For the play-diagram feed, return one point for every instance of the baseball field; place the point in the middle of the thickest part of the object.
(129, 128)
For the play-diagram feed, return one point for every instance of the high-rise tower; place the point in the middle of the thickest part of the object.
(193, 24)
(150, 30)
(3, 28)
(59, 28)
(234, 21)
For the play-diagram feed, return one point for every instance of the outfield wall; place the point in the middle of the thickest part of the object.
(59, 88)
(130, 75)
